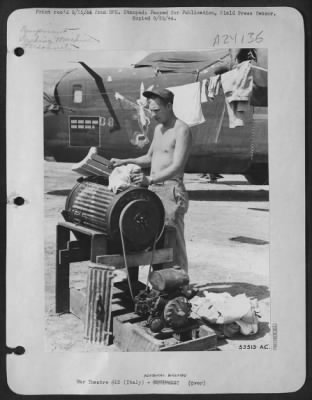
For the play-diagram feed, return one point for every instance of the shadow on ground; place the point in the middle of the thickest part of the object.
(61, 192)
(229, 195)
(258, 209)
(263, 329)
(260, 292)
(234, 183)
(222, 182)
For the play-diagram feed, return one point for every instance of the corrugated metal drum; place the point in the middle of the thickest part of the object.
(93, 205)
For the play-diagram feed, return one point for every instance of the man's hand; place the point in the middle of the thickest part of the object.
(117, 162)
(138, 178)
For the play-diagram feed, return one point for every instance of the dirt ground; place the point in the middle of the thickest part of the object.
(227, 236)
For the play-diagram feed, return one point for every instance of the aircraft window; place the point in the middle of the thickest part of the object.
(77, 94)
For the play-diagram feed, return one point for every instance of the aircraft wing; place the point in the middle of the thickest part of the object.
(182, 61)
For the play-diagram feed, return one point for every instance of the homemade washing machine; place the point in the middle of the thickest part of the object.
(123, 230)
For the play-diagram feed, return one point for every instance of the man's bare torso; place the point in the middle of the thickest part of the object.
(163, 148)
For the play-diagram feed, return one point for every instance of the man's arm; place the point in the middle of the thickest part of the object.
(142, 161)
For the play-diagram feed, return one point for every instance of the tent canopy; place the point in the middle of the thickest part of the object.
(182, 61)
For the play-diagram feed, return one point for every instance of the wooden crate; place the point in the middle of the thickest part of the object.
(131, 334)
(129, 331)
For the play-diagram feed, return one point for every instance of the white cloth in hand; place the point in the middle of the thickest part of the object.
(120, 178)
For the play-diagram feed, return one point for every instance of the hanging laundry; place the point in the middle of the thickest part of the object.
(237, 86)
(237, 83)
(186, 104)
(235, 117)
(203, 93)
(214, 86)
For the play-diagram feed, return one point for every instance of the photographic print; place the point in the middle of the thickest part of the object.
(157, 221)
(105, 110)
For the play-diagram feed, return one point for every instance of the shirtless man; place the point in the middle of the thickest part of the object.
(167, 157)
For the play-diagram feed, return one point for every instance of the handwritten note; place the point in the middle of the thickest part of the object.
(55, 39)
(238, 39)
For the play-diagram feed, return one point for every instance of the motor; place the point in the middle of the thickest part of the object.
(166, 305)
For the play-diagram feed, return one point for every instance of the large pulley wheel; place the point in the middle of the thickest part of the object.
(140, 221)
(142, 217)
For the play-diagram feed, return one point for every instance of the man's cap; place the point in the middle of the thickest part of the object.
(164, 94)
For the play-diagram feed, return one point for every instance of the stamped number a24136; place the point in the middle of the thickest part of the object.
(238, 38)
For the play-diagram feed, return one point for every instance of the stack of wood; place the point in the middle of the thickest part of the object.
(93, 165)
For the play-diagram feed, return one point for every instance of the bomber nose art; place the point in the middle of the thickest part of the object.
(139, 118)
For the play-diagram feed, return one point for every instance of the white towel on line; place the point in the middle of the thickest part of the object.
(186, 104)
(203, 93)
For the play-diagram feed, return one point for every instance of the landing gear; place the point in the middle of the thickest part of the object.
(258, 174)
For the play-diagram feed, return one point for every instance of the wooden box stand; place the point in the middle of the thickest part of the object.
(131, 334)
(92, 246)
(102, 300)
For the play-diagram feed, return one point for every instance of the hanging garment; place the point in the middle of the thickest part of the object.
(235, 117)
(203, 92)
(186, 104)
(237, 86)
(214, 86)
(237, 83)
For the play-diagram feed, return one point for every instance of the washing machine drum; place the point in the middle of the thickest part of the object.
(137, 211)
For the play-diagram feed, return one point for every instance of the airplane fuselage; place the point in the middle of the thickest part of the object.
(109, 115)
